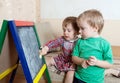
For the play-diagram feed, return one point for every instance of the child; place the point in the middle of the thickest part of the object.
(63, 61)
(92, 53)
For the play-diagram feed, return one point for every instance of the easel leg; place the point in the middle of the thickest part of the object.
(13, 73)
(47, 73)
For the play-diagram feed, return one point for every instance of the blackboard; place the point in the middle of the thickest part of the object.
(27, 45)
(31, 49)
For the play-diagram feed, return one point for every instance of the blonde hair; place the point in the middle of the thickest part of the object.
(71, 20)
(93, 17)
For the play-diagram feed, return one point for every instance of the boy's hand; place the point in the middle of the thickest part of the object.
(92, 60)
(84, 64)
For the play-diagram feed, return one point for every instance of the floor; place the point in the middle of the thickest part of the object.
(19, 78)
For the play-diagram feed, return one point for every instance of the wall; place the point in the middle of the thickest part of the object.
(55, 11)
(110, 31)
(63, 8)
(18, 10)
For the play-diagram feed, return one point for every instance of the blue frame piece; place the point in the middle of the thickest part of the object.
(21, 54)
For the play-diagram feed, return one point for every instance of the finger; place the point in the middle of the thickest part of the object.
(84, 64)
(90, 63)
(40, 51)
(92, 57)
(92, 60)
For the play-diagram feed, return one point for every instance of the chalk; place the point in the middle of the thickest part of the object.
(40, 56)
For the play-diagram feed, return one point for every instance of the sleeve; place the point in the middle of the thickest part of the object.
(55, 43)
(107, 52)
(76, 48)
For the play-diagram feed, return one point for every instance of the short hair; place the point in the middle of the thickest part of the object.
(93, 17)
(73, 21)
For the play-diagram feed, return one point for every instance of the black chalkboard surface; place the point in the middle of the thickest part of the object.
(27, 45)
(31, 49)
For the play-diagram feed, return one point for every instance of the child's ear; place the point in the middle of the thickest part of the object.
(76, 33)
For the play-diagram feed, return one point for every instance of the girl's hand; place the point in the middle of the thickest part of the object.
(92, 60)
(44, 50)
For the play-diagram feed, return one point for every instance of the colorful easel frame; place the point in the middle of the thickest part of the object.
(13, 66)
(13, 29)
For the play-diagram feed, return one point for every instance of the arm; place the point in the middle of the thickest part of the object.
(93, 61)
(107, 56)
(77, 60)
(103, 64)
(51, 44)
(80, 61)
(54, 43)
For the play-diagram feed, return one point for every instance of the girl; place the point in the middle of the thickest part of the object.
(63, 61)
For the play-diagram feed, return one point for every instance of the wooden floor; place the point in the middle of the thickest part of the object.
(21, 79)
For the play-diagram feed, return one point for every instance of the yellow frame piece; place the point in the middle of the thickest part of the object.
(38, 76)
(9, 70)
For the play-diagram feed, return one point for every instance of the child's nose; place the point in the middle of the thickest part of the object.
(66, 32)
(79, 31)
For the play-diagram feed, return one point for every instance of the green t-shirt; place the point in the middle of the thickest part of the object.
(98, 47)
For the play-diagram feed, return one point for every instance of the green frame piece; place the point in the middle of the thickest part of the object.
(46, 70)
(3, 32)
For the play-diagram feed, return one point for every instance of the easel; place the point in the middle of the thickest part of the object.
(13, 25)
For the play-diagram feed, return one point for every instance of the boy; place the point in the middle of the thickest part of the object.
(92, 53)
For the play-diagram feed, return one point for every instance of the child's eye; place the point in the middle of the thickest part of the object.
(82, 28)
(64, 30)
(69, 30)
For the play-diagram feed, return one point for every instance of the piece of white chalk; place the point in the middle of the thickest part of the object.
(40, 56)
